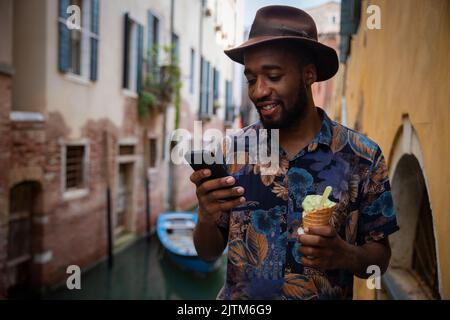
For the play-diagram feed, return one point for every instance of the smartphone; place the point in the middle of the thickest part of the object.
(197, 161)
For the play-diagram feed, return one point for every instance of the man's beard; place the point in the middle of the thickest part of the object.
(291, 115)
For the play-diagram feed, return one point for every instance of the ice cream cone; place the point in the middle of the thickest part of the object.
(319, 217)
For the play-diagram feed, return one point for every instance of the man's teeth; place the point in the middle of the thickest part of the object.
(269, 107)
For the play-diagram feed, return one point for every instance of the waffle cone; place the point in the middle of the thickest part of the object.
(319, 217)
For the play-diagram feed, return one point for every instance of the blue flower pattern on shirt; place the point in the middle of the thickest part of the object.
(263, 257)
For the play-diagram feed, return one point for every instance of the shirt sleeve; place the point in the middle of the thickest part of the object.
(377, 216)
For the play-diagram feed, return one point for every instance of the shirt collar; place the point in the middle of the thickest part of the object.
(324, 136)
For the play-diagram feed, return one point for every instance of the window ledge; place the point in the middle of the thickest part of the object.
(75, 194)
(130, 93)
(77, 79)
(400, 284)
(205, 117)
(25, 116)
(153, 170)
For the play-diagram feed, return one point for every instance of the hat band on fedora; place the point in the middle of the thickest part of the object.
(260, 30)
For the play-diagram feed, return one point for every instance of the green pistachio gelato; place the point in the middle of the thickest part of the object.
(312, 202)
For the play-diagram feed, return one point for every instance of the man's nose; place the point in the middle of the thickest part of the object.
(261, 90)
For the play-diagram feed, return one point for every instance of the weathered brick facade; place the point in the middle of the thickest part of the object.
(71, 231)
(60, 107)
(5, 136)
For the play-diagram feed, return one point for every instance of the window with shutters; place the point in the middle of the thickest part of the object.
(153, 46)
(75, 166)
(153, 152)
(78, 46)
(229, 108)
(205, 88)
(215, 94)
(192, 72)
(133, 55)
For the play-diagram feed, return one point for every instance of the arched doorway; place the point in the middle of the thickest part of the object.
(24, 202)
(414, 267)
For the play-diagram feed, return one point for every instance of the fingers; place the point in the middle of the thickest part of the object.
(324, 231)
(312, 252)
(214, 184)
(197, 176)
(221, 194)
(312, 263)
(228, 205)
(215, 208)
(312, 240)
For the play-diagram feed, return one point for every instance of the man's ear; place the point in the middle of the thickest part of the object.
(310, 74)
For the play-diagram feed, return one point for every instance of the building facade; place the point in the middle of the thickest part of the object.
(85, 157)
(327, 18)
(394, 89)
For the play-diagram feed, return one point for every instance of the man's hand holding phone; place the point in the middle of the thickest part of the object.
(215, 196)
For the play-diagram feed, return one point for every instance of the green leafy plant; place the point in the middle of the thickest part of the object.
(162, 84)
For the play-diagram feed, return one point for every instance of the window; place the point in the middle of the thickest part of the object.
(216, 84)
(78, 47)
(153, 152)
(205, 87)
(133, 55)
(153, 45)
(175, 48)
(229, 108)
(216, 77)
(126, 150)
(191, 73)
(75, 167)
(75, 44)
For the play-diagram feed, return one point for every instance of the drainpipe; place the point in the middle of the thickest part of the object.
(147, 189)
(109, 226)
(200, 50)
(171, 185)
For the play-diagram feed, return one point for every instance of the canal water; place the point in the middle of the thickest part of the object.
(143, 271)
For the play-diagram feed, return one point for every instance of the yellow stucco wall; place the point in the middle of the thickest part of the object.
(404, 68)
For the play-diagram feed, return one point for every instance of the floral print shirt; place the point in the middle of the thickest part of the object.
(263, 260)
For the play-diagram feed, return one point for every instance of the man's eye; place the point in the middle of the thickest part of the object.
(274, 78)
(251, 81)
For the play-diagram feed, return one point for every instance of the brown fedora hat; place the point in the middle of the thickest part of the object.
(284, 23)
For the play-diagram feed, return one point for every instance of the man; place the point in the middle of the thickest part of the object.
(267, 259)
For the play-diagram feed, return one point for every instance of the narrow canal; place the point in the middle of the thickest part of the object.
(142, 271)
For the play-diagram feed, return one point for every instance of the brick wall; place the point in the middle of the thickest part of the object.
(5, 107)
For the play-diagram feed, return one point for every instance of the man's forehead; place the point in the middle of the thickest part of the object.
(267, 58)
(264, 67)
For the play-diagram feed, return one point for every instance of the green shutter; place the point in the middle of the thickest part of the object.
(229, 109)
(350, 16)
(126, 29)
(64, 54)
(94, 41)
(350, 19)
(208, 87)
(202, 86)
(150, 40)
(140, 61)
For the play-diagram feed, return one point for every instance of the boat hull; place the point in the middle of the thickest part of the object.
(180, 249)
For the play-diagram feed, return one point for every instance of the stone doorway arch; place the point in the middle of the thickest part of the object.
(23, 242)
(414, 270)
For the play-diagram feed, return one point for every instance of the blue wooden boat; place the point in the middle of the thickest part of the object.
(175, 232)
